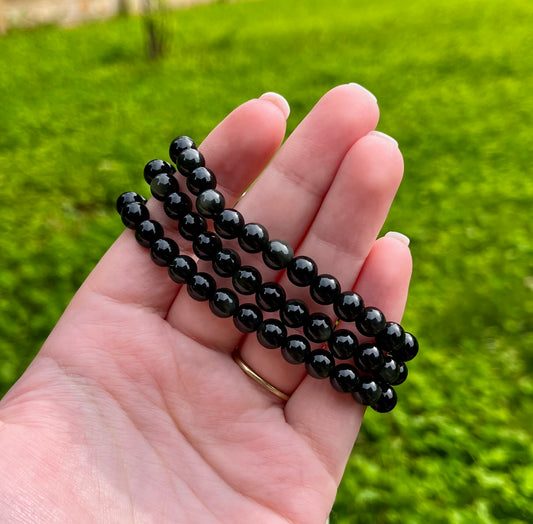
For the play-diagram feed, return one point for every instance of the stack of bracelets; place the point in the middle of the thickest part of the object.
(375, 367)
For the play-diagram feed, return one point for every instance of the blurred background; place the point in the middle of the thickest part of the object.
(90, 91)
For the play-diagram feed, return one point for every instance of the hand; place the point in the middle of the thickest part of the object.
(134, 410)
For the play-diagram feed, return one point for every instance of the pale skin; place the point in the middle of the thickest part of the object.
(134, 410)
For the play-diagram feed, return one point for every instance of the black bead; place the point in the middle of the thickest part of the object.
(318, 327)
(324, 289)
(177, 205)
(402, 375)
(127, 198)
(133, 214)
(247, 318)
(368, 392)
(201, 179)
(253, 238)
(319, 363)
(387, 400)
(390, 371)
(342, 343)
(271, 333)
(344, 378)
(182, 268)
(371, 321)
(147, 232)
(206, 245)
(277, 254)
(270, 296)
(368, 357)
(408, 350)
(247, 280)
(224, 303)
(163, 250)
(301, 271)
(156, 167)
(201, 286)
(228, 223)
(294, 313)
(210, 203)
(189, 160)
(191, 225)
(178, 145)
(391, 338)
(226, 262)
(295, 349)
(348, 306)
(163, 185)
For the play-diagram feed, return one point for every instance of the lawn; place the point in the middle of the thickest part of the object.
(82, 110)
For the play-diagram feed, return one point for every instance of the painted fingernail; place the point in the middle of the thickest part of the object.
(364, 89)
(399, 236)
(379, 133)
(279, 101)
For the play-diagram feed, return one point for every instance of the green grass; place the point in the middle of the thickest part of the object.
(82, 111)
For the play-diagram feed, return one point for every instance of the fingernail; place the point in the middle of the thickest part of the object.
(379, 133)
(364, 89)
(279, 101)
(399, 236)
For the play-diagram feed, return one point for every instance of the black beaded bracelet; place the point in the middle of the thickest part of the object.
(377, 366)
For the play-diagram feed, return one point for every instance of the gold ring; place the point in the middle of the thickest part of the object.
(252, 374)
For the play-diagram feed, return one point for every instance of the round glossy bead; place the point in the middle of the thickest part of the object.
(189, 160)
(206, 245)
(177, 205)
(368, 357)
(147, 232)
(201, 286)
(319, 363)
(302, 271)
(368, 392)
(156, 167)
(210, 203)
(390, 371)
(318, 327)
(253, 238)
(392, 337)
(228, 223)
(402, 375)
(224, 303)
(294, 313)
(371, 321)
(344, 378)
(387, 400)
(127, 198)
(247, 318)
(182, 268)
(348, 306)
(247, 280)
(163, 185)
(133, 214)
(201, 179)
(408, 350)
(270, 296)
(271, 333)
(178, 145)
(163, 250)
(325, 289)
(191, 225)
(343, 344)
(295, 349)
(277, 254)
(226, 262)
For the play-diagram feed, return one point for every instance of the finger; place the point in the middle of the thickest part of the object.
(340, 238)
(292, 186)
(329, 421)
(254, 132)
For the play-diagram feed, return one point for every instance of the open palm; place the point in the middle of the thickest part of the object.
(134, 410)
